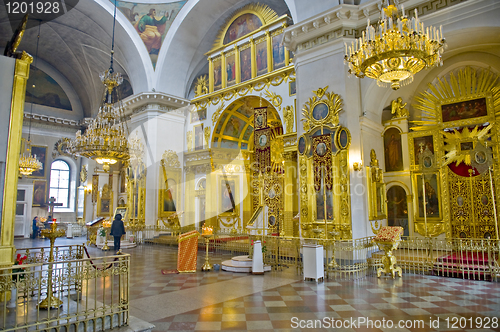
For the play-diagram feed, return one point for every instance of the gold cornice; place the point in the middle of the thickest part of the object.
(274, 78)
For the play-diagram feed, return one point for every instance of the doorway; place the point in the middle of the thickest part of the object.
(23, 222)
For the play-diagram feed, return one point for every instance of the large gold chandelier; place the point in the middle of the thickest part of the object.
(395, 51)
(27, 162)
(105, 139)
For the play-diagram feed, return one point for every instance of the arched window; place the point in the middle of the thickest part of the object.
(59, 182)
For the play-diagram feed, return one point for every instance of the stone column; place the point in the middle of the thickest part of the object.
(291, 193)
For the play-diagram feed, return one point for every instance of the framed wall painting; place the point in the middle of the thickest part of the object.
(246, 63)
(41, 154)
(227, 198)
(105, 202)
(320, 111)
(432, 194)
(463, 110)
(198, 137)
(278, 52)
(393, 150)
(261, 57)
(39, 192)
(121, 210)
(217, 65)
(420, 145)
(230, 70)
(292, 88)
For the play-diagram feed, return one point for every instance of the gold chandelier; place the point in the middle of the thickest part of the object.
(27, 162)
(105, 139)
(398, 49)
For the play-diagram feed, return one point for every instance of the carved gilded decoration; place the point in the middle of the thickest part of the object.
(170, 177)
(289, 116)
(457, 130)
(398, 108)
(201, 86)
(322, 109)
(320, 117)
(206, 133)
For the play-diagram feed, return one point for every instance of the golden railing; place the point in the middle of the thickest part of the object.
(94, 293)
(41, 254)
(352, 259)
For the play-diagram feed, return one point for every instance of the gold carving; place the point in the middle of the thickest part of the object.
(398, 108)
(331, 100)
(217, 113)
(276, 100)
(201, 86)
(207, 132)
(376, 191)
(289, 116)
(170, 159)
(83, 174)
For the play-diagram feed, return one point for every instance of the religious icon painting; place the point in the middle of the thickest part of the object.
(261, 57)
(344, 138)
(227, 198)
(40, 153)
(260, 118)
(122, 211)
(463, 110)
(393, 150)
(480, 157)
(320, 111)
(321, 149)
(278, 52)
(460, 201)
(198, 115)
(39, 193)
(272, 193)
(432, 203)
(217, 63)
(420, 145)
(246, 64)
(301, 145)
(484, 200)
(292, 89)
(230, 70)
(272, 221)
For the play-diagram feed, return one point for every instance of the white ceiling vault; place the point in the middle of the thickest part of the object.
(77, 45)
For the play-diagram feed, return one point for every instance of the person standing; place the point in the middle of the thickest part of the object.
(117, 230)
(35, 227)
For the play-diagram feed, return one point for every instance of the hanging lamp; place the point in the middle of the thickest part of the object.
(27, 162)
(105, 139)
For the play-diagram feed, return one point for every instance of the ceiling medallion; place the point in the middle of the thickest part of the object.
(395, 51)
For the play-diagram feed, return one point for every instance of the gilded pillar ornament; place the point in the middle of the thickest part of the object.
(210, 75)
(223, 69)
(201, 86)
(289, 116)
(207, 132)
(254, 57)
(237, 64)
(269, 52)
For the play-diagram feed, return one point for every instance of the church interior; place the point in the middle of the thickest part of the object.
(278, 164)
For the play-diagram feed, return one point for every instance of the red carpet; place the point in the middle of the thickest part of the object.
(169, 272)
(467, 265)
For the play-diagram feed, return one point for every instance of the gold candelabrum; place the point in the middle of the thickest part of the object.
(51, 301)
(105, 139)
(396, 50)
(207, 234)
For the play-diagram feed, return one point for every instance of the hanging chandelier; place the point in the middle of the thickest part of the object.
(27, 162)
(105, 139)
(396, 50)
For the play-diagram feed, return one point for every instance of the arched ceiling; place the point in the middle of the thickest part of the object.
(78, 43)
(234, 129)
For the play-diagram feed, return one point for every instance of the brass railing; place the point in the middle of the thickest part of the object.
(93, 292)
(352, 259)
(41, 254)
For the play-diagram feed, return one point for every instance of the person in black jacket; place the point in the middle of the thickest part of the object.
(117, 230)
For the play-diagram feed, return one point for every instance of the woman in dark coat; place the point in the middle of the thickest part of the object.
(35, 227)
(117, 230)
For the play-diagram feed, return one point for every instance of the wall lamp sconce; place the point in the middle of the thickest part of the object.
(88, 189)
(357, 166)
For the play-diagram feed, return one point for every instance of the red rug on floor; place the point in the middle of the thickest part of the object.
(169, 272)
(467, 265)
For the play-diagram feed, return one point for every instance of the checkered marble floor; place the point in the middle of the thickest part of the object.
(282, 301)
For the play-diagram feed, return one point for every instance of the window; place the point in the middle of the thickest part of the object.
(59, 182)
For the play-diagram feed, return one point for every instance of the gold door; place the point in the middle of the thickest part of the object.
(471, 206)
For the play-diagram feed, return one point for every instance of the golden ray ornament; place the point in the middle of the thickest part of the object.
(395, 51)
(454, 140)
